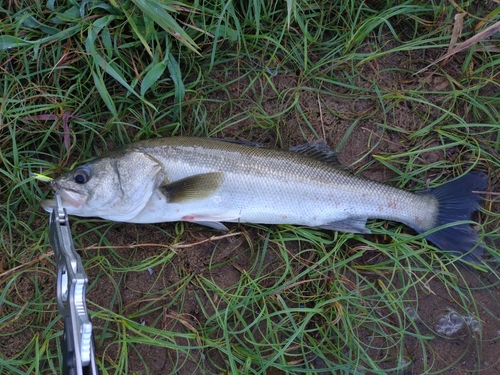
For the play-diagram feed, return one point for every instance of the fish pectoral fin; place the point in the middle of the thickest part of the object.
(213, 224)
(192, 188)
(351, 225)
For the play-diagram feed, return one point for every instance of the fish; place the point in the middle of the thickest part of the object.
(210, 181)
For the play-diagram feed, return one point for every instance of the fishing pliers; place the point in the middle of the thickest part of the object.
(78, 340)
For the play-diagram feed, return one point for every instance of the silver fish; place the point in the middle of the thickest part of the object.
(209, 181)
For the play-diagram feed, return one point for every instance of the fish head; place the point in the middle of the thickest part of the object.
(115, 188)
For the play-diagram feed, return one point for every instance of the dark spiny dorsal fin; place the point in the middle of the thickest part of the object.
(192, 188)
(318, 150)
(240, 142)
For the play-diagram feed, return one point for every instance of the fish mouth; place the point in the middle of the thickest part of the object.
(70, 198)
(49, 205)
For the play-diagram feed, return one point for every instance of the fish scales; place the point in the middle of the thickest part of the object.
(259, 183)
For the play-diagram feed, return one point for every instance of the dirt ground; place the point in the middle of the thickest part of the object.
(331, 118)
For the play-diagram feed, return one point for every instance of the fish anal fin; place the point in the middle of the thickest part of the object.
(351, 225)
(192, 188)
(318, 150)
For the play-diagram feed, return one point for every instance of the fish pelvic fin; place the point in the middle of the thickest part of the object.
(457, 202)
(214, 225)
(192, 188)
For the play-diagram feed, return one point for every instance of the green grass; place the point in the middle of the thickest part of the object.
(79, 78)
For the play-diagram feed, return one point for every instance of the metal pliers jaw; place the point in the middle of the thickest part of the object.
(78, 344)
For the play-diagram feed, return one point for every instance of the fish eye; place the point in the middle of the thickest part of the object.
(81, 176)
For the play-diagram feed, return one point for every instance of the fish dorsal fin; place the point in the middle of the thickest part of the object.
(318, 150)
(192, 188)
(240, 142)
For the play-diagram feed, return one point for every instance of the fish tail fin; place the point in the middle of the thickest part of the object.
(457, 201)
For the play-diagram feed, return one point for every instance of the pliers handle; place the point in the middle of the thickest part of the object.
(78, 343)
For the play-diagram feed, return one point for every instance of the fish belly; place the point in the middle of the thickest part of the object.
(293, 201)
